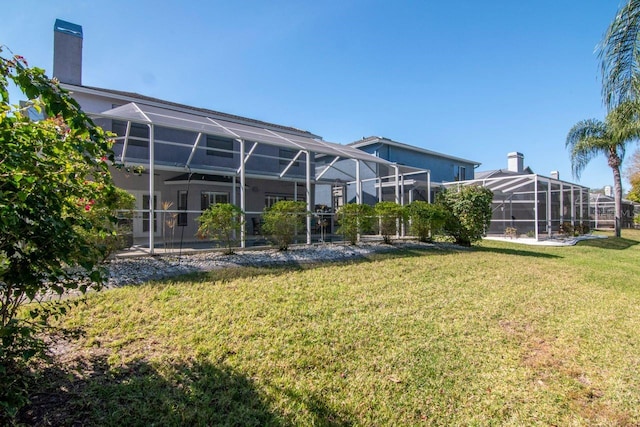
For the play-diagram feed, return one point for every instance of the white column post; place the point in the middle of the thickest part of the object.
(358, 183)
(535, 205)
(397, 183)
(573, 208)
(243, 205)
(152, 197)
(561, 203)
(308, 194)
(549, 208)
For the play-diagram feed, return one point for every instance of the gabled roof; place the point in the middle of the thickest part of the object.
(148, 100)
(373, 140)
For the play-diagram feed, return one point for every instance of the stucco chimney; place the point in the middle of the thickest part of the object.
(555, 174)
(67, 52)
(515, 162)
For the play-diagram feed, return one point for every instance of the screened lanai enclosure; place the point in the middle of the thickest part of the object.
(534, 205)
(177, 163)
(602, 212)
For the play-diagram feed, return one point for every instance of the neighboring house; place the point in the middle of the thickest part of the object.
(522, 199)
(443, 168)
(602, 211)
(177, 160)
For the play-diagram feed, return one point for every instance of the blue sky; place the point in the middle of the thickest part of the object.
(474, 79)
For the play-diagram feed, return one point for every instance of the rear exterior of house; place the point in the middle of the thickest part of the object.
(177, 159)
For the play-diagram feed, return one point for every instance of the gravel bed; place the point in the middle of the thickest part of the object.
(137, 270)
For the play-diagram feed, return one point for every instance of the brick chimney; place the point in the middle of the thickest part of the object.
(67, 52)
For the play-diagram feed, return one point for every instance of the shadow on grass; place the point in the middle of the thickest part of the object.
(616, 243)
(517, 252)
(141, 394)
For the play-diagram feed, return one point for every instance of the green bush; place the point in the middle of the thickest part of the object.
(582, 229)
(354, 219)
(221, 221)
(427, 219)
(566, 228)
(390, 217)
(55, 178)
(110, 219)
(469, 212)
(283, 221)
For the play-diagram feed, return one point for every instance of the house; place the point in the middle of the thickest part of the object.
(533, 204)
(443, 167)
(602, 210)
(177, 159)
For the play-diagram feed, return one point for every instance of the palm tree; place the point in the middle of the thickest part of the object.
(619, 53)
(590, 138)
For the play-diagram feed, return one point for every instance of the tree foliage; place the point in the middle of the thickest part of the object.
(283, 221)
(354, 219)
(633, 173)
(469, 212)
(426, 219)
(619, 54)
(591, 138)
(221, 221)
(390, 216)
(53, 175)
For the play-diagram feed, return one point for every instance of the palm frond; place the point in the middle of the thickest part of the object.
(586, 140)
(619, 54)
(624, 122)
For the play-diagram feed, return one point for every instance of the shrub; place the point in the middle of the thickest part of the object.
(54, 179)
(110, 220)
(511, 232)
(390, 217)
(221, 221)
(427, 219)
(581, 229)
(354, 219)
(469, 209)
(566, 228)
(283, 221)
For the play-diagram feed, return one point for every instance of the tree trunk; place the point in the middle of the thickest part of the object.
(617, 186)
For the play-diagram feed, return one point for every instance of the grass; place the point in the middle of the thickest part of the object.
(501, 334)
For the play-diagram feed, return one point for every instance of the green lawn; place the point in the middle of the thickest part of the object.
(502, 334)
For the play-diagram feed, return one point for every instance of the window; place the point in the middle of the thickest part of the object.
(138, 134)
(271, 199)
(461, 173)
(286, 156)
(218, 146)
(208, 198)
(182, 206)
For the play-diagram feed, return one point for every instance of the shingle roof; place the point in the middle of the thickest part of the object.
(205, 111)
(382, 140)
